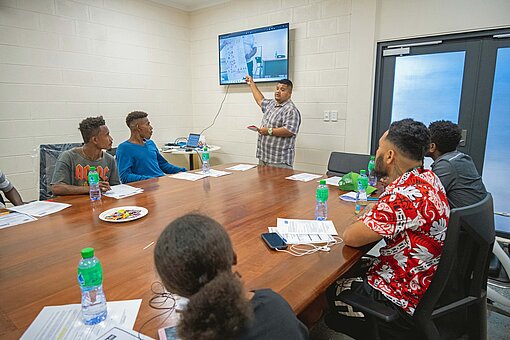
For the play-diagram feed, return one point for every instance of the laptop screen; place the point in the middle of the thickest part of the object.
(193, 140)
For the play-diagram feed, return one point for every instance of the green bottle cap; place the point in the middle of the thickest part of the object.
(205, 149)
(92, 168)
(322, 182)
(87, 253)
(372, 158)
(363, 172)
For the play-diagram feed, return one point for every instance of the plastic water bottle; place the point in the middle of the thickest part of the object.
(94, 190)
(372, 178)
(321, 204)
(361, 196)
(90, 278)
(205, 162)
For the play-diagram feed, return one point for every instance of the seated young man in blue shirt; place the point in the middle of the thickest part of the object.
(138, 158)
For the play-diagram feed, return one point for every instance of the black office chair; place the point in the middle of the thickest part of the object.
(48, 155)
(455, 302)
(112, 151)
(341, 163)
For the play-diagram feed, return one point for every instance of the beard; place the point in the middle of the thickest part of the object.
(380, 170)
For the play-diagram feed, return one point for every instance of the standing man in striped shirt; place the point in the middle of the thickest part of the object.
(279, 127)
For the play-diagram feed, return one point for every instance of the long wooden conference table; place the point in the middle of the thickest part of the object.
(38, 260)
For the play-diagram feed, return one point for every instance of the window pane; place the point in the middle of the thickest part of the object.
(497, 151)
(428, 87)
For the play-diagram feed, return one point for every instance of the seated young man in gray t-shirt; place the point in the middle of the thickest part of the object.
(72, 167)
(455, 169)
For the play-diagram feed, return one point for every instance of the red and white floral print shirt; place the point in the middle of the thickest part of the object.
(412, 216)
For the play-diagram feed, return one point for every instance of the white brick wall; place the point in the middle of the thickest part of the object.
(319, 54)
(61, 61)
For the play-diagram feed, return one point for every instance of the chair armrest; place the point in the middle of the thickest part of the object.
(368, 306)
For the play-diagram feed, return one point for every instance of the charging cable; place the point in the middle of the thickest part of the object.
(303, 249)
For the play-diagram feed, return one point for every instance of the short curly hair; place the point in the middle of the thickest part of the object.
(132, 116)
(89, 127)
(445, 134)
(412, 138)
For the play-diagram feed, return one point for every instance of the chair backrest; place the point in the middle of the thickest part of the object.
(48, 155)
(461, 277)
(341, 163)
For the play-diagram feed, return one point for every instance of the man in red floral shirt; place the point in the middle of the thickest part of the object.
(411, 215)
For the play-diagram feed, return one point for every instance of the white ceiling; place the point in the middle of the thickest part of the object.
(190, 5)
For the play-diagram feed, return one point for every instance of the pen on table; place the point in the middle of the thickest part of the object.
(4, 213)
(373, 198)
(147, 246)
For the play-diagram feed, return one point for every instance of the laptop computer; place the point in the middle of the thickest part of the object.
(193, 140)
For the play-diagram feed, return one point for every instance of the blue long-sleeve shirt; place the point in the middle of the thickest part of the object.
(138, 162)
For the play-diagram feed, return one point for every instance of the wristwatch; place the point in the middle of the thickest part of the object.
(270, 131)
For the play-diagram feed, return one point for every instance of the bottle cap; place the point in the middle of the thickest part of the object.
(92, 168)
(322, 182)
(372, 158)
(363, 172)
(87, 253)
(205, 148)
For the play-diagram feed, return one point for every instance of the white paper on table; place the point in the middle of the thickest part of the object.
(304, 177)
(214, 173)
(333, 180)
(241, 167)
(121, 333)
(64, 322)
(302, 238)
(121, 191)
(291, 226)
(40, 208)
(189, 176)
(349, 197)
(14, 218)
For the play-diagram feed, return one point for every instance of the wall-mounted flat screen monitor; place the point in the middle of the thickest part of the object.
(262, 53)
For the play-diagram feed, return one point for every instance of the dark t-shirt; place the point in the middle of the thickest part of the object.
(460, 179)
(274, 319)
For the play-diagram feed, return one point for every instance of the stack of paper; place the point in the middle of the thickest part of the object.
(241, 167)
(40, 208)
(214, 173)
(64, 322)
(11, 218)
(304, 177)
(189, 176)
(304, 231)
(122, 190)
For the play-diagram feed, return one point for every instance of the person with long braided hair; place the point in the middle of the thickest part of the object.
(194, 259)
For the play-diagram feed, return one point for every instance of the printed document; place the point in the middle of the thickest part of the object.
(214, 173)
(189, 176)
(40, 208)
(241, 167)
(290, 226)
(302, 238)
(64, 322)
(333, 180)
(122, 190)
(304, 177)
(12, 218)
(120, 333)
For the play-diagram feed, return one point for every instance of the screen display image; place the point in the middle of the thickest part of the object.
(261, 53)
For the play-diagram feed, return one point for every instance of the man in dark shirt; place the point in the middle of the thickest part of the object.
(455, 169)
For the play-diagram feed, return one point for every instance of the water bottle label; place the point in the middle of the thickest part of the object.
(205, 156)
(322, 194)
(89, 277)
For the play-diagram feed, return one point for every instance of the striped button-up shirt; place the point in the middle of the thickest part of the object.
(273, 149)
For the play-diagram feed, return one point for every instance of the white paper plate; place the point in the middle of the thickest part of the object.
(123, 214)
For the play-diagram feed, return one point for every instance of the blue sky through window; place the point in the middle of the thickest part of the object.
(497, 150)
(428, 87)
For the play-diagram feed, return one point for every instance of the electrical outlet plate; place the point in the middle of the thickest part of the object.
(326, 116)
(333, 116)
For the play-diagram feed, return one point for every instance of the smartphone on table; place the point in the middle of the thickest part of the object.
(274, 241)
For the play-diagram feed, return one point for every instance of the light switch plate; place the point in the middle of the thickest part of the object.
(326, 116)
(333, 116)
